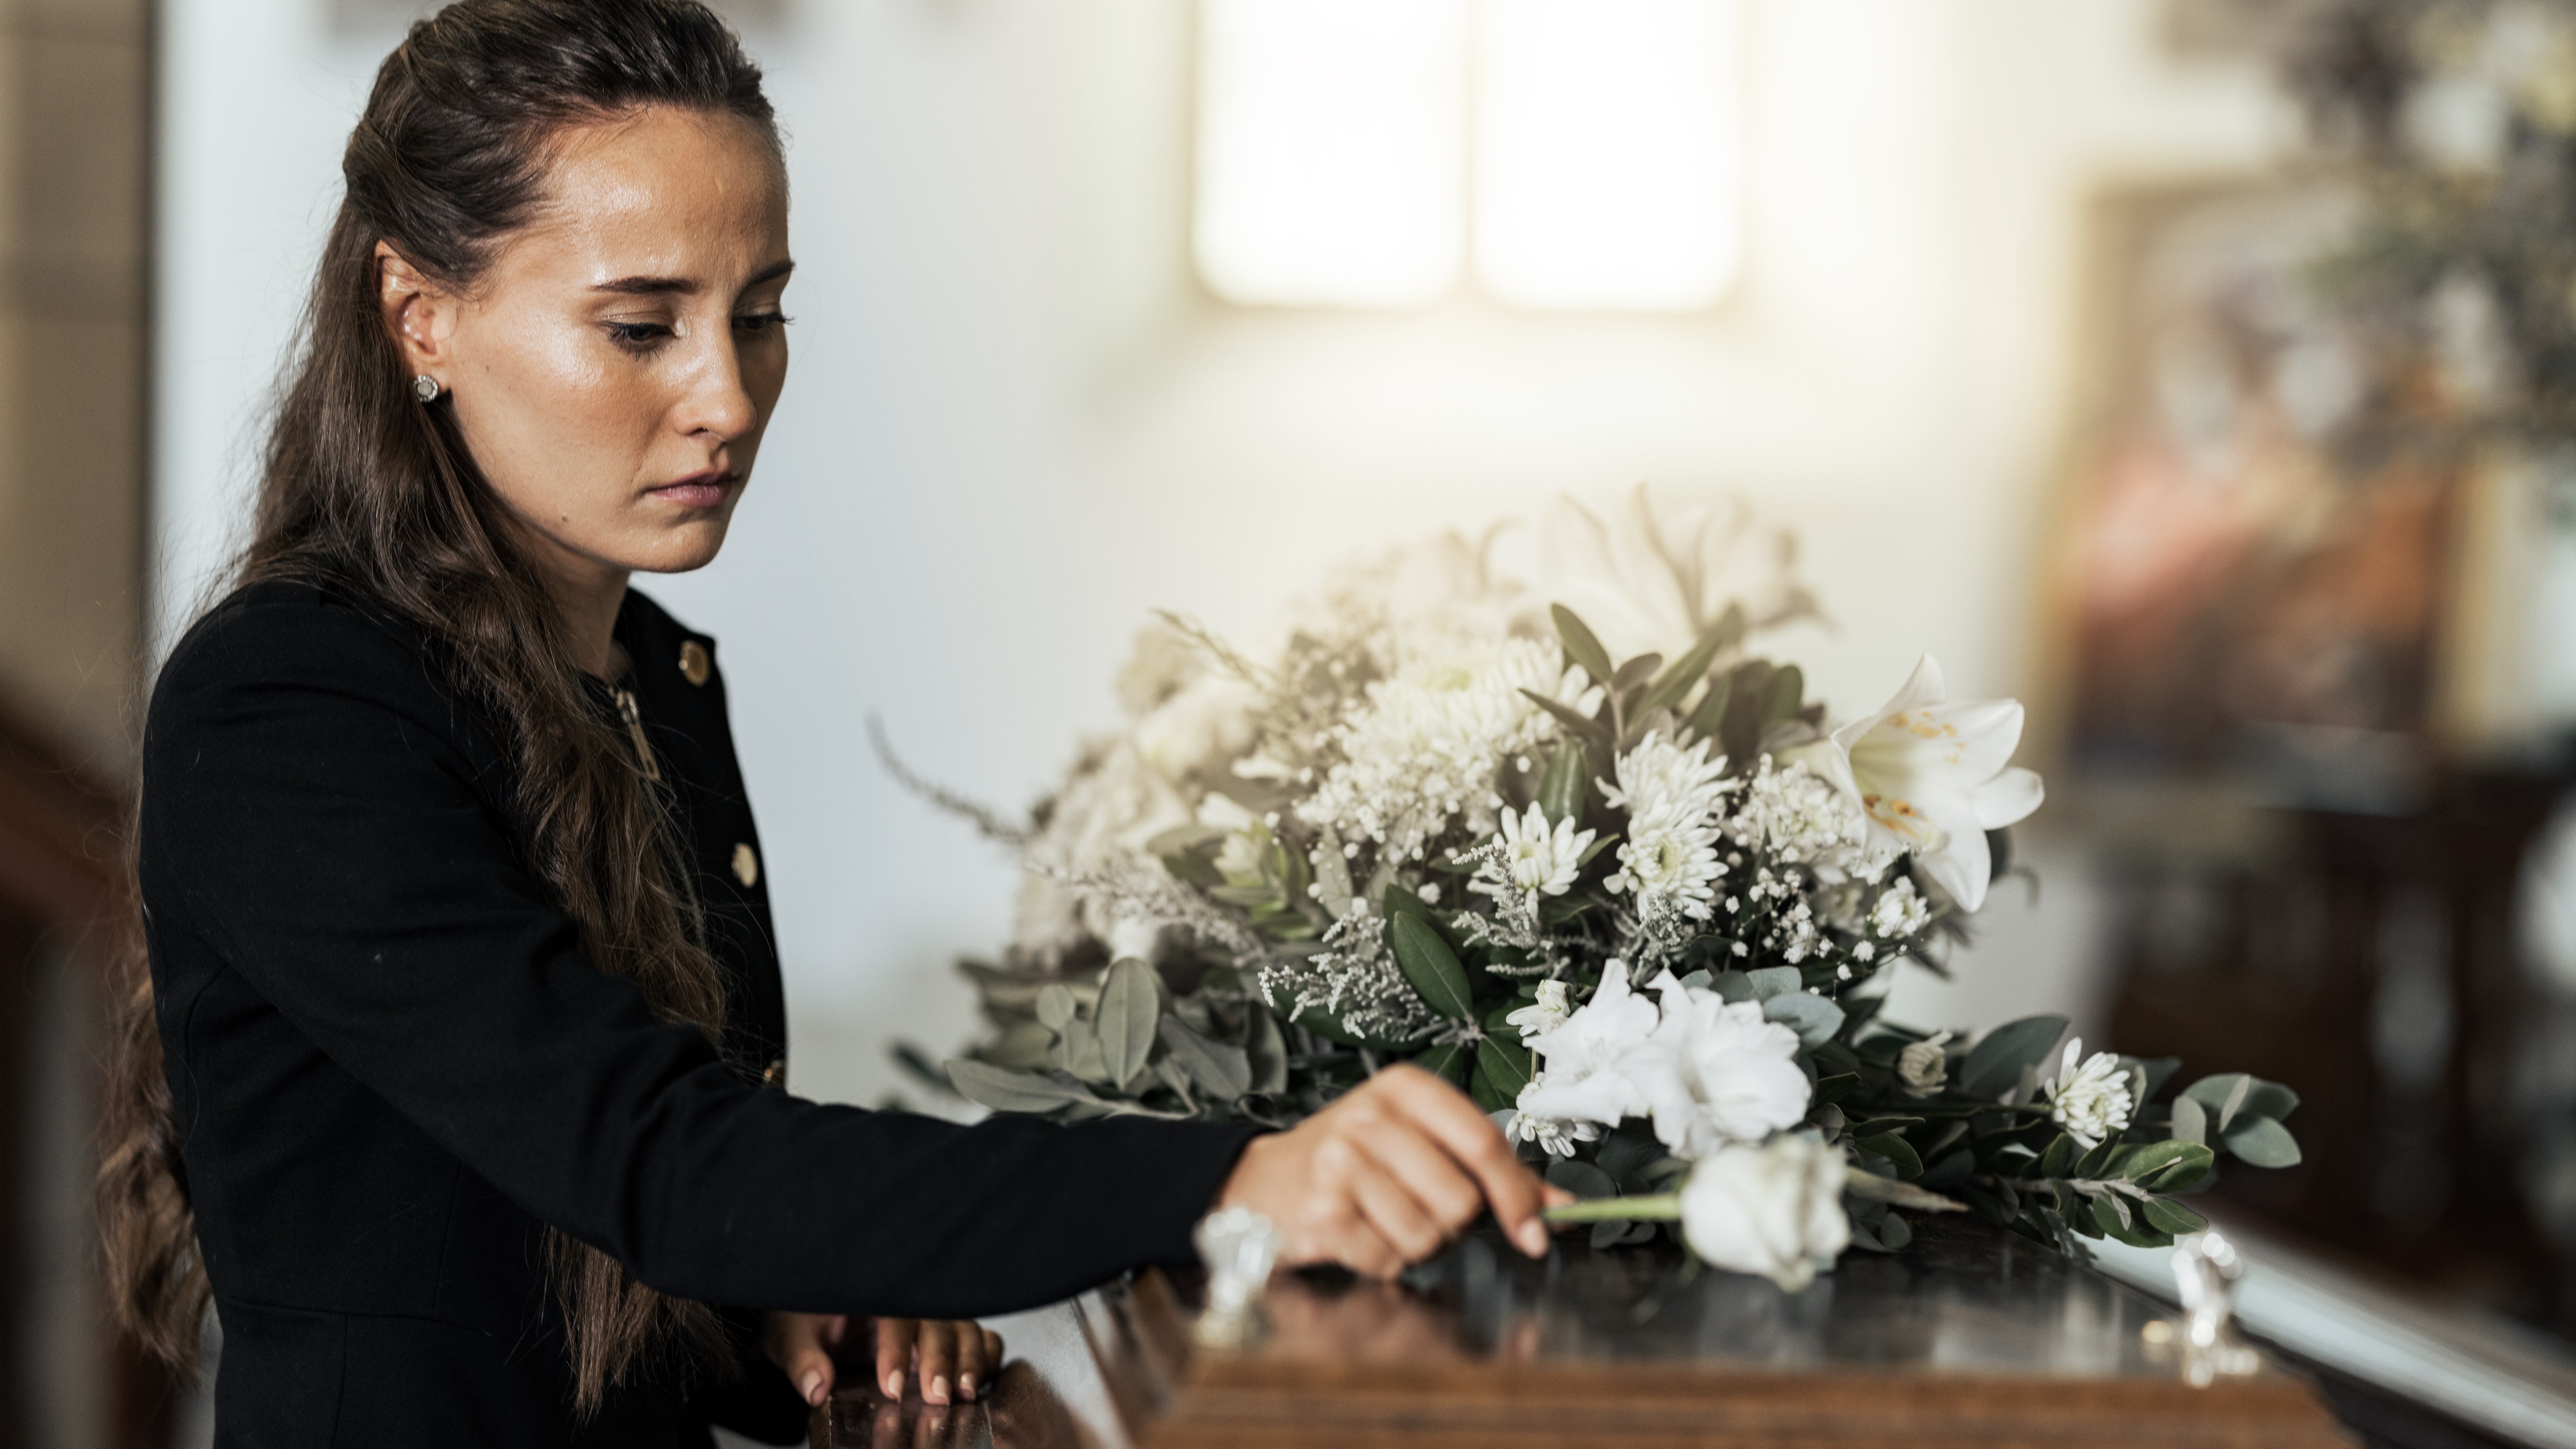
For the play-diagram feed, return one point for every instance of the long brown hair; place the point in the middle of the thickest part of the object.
(371, 492)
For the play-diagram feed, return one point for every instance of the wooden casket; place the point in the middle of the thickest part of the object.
(1970, 1337)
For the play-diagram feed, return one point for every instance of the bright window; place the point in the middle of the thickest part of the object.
(1586, 154)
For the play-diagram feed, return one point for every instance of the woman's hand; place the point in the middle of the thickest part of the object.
(1386, 1175)
(964, 1355)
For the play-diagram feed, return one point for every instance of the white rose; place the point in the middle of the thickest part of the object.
(1923, 1068)
(1775, 1210)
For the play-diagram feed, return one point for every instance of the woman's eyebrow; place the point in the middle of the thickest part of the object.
(685, 286)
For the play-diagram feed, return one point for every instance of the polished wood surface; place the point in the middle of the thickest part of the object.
(1970, 1337)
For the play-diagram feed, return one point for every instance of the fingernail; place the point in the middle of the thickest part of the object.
(894, 1384)
(812, 1387)
(1533, 1238)
(938, 1390)
(966, 1386)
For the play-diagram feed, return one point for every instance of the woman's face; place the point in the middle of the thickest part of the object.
(614, 367)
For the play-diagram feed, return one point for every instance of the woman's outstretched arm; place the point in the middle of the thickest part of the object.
(320, 812)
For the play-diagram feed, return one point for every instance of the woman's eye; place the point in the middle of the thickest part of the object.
(757, 323)
(637, 336)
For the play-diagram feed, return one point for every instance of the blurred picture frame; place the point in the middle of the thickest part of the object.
(2233, 594)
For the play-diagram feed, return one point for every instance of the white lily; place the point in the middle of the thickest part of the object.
(1933, 776)
(1649, 585)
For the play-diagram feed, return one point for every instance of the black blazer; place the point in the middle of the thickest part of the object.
(391, 1065)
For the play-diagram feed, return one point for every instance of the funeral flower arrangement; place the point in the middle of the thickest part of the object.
(1572, 842)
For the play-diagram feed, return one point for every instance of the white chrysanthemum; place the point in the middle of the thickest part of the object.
(1789, 814)
(1531, 858)
(1545, 1015)
(1899, 911)
(1423, 748)
(1659, 776)
(1558, 1138)
(1923, 1067)
(2090, 1101)
(1670, 861)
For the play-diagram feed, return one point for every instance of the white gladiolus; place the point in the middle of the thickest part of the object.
(2090, 1101)
(1933, 777)
(1774, 1209)
(1716, 1072)
(1584, 1077)
(1923, 1068)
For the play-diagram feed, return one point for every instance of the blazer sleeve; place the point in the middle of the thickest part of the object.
(318, 822)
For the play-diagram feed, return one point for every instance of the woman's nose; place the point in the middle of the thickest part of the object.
(717, 402)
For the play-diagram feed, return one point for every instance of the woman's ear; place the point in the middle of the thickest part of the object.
(418, 313)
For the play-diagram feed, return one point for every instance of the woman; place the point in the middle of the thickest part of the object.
(455, 1080)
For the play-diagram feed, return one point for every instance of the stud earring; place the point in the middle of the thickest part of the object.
(426, 388)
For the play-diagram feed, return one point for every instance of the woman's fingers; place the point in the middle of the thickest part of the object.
(801, 1345)
(1515, 1193)
(895, 1339)
(1386, 1174)
(1388, 1206)
(938, 1362)
(979, 1354)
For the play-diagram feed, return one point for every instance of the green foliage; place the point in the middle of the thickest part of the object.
(1995, 1064)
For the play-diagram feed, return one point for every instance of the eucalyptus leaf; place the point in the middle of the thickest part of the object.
(2187, 1171)
(1996, 1063)
(1581, 1178)
(1894, 1232)
(1732, 986)
(1221, 1069)
(1431, 967)
(2170, 1216)
(1023, 1046)
(2190, 1121)
(1773, 981)
(1009, 1091)
(1899, 1153)
(1055, 1006)
(1079, 1051)
(1581, 644)
(1813, 1018)
(2263, 1142)
(2059, 1159)
(2251, 1095)
(2147, 1161)
(1130, 1001)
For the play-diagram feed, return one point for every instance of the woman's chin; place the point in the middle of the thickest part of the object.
(684, 548)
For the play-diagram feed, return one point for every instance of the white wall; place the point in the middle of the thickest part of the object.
(1013, 425)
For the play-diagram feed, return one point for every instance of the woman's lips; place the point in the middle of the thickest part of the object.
(707, 490)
